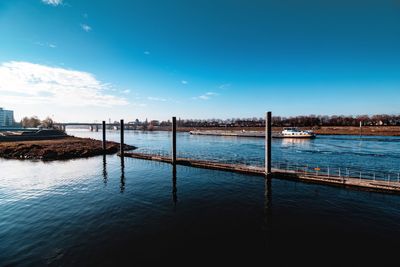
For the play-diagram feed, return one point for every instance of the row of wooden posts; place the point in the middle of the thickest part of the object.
(268, 138)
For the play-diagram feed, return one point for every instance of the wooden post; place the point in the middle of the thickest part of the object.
(268, 137)
(104, 136)
(173, 140)
(122, 139)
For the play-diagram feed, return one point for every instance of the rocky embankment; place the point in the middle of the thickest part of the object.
(66, 148)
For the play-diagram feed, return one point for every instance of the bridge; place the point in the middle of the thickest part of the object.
(93, 126)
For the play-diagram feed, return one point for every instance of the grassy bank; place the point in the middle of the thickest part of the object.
(66, 148)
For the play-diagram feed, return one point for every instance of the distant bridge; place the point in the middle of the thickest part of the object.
(93, 126)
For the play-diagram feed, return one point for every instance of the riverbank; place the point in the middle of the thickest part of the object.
(59, 149)
(323, 130)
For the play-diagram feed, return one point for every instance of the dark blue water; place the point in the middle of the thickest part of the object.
(377, 156)
(100, 212)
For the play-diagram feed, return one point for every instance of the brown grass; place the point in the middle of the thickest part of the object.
(66, 148)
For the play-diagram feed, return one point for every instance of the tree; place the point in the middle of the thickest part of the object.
(48, 122)
(31, 122)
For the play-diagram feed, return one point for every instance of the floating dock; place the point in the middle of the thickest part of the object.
(344, 181)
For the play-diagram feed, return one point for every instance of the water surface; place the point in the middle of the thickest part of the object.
(377, 156)
(100, 212)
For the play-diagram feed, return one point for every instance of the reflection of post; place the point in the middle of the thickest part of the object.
(122, 139)
(104, 136)
(268, 209)
(174, 190)
(173, 140)
(268, 136)
(122, 185)
(105, 175)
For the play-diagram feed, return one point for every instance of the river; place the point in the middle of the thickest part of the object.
(377, 156)
(104, 212)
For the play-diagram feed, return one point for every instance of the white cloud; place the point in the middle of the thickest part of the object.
(206, 96)
(46, 44)
(184, 82)
(224, 86)
(142, 105)
(52, 2)
(127, 91)
(156, 99)
(28, 83)
(86, 27)
(146, 52)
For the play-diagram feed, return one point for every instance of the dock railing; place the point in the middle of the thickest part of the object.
(343, 172)
(391, 175)
(304, 169)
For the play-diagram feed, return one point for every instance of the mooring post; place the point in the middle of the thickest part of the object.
(173, 140)
(122, 139)
(104, 135)
(268, 137)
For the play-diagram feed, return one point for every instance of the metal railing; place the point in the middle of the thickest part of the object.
(340, 172)
(392, 175)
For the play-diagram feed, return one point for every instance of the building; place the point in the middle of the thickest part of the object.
(6, 118)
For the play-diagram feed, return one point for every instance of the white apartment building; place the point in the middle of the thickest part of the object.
(6, 118)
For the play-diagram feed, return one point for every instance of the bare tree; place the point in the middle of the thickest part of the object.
(31, 122)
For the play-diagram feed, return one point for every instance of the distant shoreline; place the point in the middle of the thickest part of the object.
(324, 130)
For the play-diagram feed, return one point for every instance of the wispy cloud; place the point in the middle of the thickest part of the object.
(86, 27)
(127, 91)
(156, 99)
(28, 83)
(146, 52)
(205, 96)
(224, 86)
(52, 2)
(184, 82)
(142, 105)
(46, 44)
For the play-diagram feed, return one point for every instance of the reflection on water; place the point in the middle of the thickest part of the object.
(267, 205)
(105, 175)
(174, 189)
(298, 142)
(122, 186)
(52, 215)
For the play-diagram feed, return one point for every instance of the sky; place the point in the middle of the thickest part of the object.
(86, 61)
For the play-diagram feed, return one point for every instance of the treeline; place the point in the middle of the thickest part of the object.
(298, 121)
(33, 122)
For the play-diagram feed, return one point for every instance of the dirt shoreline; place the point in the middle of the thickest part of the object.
(58, 149)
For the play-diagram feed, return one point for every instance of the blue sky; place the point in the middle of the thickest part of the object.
(81, 60)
